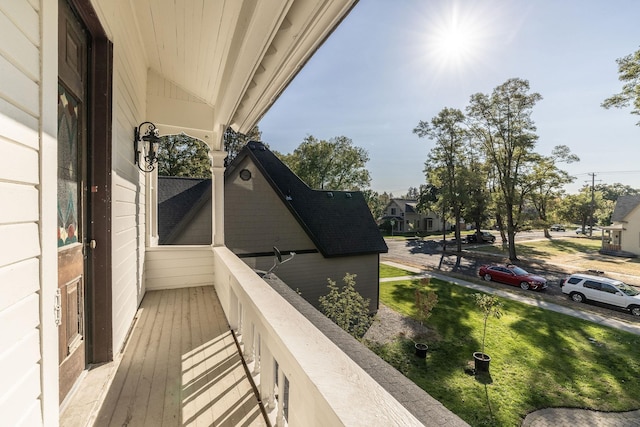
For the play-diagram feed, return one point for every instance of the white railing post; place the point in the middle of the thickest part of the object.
(249, 342)
(281, 398)
(240, 331)
(233, 311)
(257, 354)
(267, 384)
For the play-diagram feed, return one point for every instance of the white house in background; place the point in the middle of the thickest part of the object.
(405, 218)
(622, 237)
(78, 217)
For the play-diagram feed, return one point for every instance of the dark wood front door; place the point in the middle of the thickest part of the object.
(72, 203)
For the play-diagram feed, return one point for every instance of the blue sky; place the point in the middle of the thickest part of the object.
(391, 64)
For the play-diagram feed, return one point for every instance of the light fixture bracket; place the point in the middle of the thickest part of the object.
(146, 145)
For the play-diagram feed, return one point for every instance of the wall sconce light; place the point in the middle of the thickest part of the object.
(147, 145)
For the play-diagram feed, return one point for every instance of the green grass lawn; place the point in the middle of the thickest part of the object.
(540, 358)
(389, 271)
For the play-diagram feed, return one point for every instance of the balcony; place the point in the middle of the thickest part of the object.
(247, 352)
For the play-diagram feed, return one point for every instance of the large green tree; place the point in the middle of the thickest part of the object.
(376, 202)
(447, 163)
(502, 124)
(615, 190)
(629, 73)
(234, 141)
(579, 208)
(548, 180)
(335, 164)
(182, 155)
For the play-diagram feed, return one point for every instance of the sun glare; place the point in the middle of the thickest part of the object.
(455, 37)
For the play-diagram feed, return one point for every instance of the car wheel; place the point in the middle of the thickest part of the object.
(577, 297)
(487, 277)
(524, 285)
(635, 310)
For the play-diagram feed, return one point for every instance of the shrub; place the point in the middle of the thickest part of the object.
(346, 307)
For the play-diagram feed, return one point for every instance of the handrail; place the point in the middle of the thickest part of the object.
(319, 384)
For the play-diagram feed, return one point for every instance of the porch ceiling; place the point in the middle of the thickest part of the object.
(235, 55)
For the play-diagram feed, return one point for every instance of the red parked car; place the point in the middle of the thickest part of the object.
(512, 275)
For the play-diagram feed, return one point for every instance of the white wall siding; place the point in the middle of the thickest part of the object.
(170, 267)
(20, 215)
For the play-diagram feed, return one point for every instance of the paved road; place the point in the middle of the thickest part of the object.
(427, 255)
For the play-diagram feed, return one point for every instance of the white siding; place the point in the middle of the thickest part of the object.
(20, 215)
(169, 267)
(630, 241)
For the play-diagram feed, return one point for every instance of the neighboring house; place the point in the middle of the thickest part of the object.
(622, 237)
(405, 218)
(184, 211)
(331, 232)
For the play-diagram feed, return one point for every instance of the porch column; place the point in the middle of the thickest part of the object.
(217, 186)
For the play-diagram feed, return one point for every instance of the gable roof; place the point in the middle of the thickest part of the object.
(178, 200)
(338, 222)
(624, 206)
(408, 205)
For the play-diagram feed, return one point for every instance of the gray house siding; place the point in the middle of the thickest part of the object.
(256, 220)
(308, 274)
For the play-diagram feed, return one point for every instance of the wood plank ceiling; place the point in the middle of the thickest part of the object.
(235, 55)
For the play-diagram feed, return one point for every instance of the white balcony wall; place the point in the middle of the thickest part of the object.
(326, 387)
(171, 267)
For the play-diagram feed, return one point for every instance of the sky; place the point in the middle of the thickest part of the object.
(392, 63)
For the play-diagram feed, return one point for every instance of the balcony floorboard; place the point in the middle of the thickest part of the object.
(181, 367)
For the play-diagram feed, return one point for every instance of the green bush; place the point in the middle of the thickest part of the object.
(346, 307)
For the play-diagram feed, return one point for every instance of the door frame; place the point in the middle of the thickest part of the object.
(99, 322)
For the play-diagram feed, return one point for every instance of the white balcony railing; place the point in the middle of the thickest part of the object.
(302, 377)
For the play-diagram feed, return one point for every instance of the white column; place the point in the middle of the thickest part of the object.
(217, 186)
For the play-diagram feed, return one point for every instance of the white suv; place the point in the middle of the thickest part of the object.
(583, 287)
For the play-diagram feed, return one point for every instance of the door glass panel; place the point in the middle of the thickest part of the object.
(68, 173)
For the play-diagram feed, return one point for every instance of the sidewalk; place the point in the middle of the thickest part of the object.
(549, 417)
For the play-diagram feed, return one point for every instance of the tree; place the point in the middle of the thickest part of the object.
(412, 194)
(628, 72)
(502, 124)
(577, 208)
(425, 303)
(376, 202)
(335, 164)
(234, 141)
(182, 155)
(489, 305)
(446, 165)
(613, 191)
(548, 180)
(346, 307)
(477, 205)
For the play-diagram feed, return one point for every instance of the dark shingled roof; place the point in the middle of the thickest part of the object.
(177, 197)
(338, 222)
(624, 206)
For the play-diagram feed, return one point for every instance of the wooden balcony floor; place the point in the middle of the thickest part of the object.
(181, 367)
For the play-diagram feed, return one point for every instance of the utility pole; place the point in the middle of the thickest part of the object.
(593, 202)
